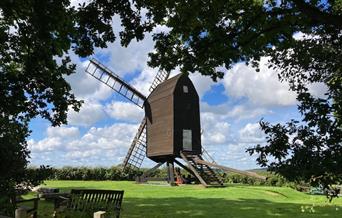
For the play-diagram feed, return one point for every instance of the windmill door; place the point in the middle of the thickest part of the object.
(187, 140)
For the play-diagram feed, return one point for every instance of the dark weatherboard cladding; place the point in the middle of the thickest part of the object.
(173, 119)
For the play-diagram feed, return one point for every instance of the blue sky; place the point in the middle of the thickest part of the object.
(100, 134)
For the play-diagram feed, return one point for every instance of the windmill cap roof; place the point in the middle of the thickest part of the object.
(167, 87)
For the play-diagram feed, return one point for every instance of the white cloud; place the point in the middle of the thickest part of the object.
(84, 86)
(232, 155)
(318, 89)
(125, 111)
(260, 88)
(132, 58)
(251, 133)
(215, 131)
(246, 112)
(227, 145)
(303, 36)
(55, 138)
(237, 111)
(63, 131)
(90, 113)
(299, 36)
(117, 135)
(144, 81)
(126, 60)
(107, 145)
(47, 144)
(201, 83)
(122, 61)
(76, 3)
(83, 154)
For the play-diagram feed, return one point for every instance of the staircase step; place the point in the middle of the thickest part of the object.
(204, 171)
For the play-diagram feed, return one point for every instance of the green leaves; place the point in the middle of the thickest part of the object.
(206, 35)
(35, 38)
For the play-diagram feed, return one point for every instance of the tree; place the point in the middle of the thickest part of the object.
(35, 40)
(36, 36)
(309, 150)
(205, 36)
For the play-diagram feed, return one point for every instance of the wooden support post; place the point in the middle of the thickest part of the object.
(171, 173)
(20, 213)
(184, 167)
(144, 177)
(168, 171)
(100, 214)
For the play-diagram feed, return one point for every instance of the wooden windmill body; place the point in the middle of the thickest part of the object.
(173, 120)
(170, 132)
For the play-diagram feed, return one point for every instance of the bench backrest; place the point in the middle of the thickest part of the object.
(90, 199)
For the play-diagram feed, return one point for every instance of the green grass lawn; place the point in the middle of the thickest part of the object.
(195, 201)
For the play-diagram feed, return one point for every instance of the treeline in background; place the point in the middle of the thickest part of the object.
(116, 173)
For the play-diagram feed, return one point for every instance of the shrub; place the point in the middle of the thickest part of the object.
(94, 173)
(272, 180)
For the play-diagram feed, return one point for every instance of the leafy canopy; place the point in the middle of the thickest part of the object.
(35, 40)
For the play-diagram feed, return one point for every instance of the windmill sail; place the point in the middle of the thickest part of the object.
(160, 77)
(103, 74)
(137, 151)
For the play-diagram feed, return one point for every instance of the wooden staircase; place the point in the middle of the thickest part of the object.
(203, 172)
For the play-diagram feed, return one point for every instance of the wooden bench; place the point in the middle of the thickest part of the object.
(91, 200)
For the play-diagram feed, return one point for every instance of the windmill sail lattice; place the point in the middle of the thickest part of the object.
(160, 77)
(137, 151)
(105, 75)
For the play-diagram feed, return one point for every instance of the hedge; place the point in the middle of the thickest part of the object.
(93, 173)
(116, 173)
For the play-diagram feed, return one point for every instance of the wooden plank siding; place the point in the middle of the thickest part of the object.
(168, 111)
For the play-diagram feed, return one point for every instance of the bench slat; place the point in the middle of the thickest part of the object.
(91, 199)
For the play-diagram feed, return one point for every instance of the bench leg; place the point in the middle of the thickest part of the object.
(35, 206)
(117, 214)
(20, 213)
(100, 214)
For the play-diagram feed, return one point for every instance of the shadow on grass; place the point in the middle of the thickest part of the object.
(218, 207)
(183, 207)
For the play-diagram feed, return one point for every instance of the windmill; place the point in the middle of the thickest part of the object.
(170, 130)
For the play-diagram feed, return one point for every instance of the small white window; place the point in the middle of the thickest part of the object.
(185, 89)
(187, 140)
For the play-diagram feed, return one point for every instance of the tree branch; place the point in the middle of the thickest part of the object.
(318, 15)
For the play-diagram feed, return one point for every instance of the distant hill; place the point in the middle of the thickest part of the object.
(260, 171)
